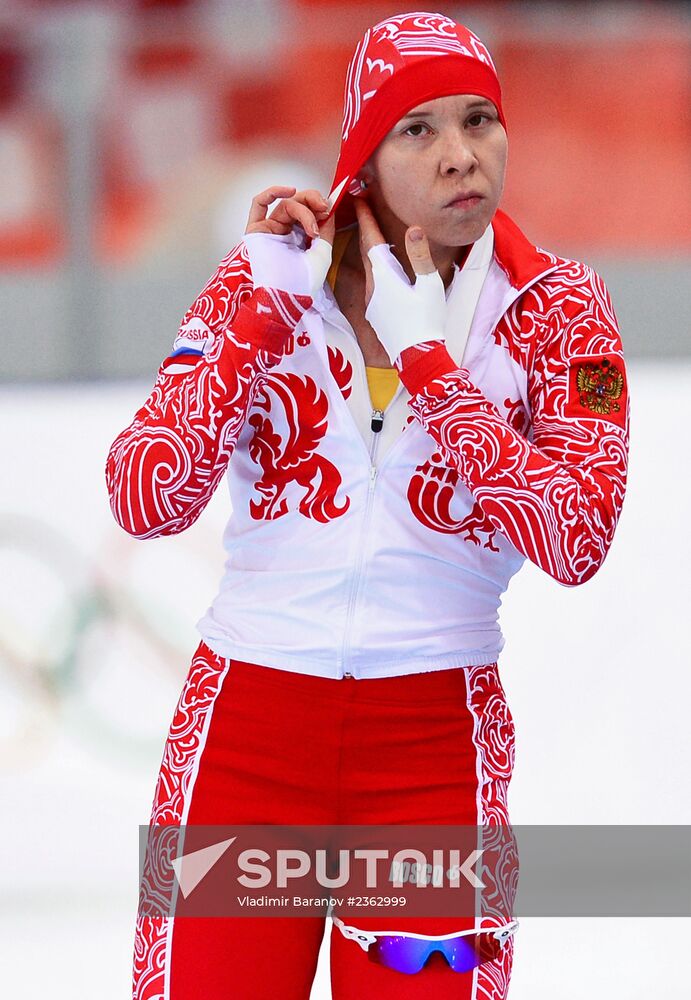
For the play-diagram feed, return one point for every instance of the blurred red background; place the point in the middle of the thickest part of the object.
(597, 109)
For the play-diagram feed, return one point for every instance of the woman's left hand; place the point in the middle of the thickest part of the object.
(401, 314)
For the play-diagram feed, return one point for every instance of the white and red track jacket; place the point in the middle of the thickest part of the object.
(371, 553)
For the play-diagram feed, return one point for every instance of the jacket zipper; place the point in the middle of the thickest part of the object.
(376, 423)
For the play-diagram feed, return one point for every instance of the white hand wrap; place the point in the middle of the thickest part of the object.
(281, 262)
(400, 313)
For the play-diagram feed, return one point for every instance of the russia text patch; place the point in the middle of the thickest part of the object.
(597, 388)
(192, 336)
(189, 347)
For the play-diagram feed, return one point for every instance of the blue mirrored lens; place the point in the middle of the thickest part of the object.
(404, 954)
(465, 953)
(408, 954)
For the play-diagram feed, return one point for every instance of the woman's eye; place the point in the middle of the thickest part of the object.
(474, 118)
(416, 125)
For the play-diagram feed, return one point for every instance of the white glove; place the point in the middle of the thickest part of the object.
(282, 262)
(402, 314)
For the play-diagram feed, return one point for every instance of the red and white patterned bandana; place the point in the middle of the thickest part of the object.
(398, 64)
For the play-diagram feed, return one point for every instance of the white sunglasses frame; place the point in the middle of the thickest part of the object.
(367, 938)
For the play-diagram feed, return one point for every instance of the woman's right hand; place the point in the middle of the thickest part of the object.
(304, 208)
(274, 247)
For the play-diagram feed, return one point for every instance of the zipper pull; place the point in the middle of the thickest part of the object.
(377, 420)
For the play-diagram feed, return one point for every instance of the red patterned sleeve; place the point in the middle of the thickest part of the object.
(163, 468)
(556, 497)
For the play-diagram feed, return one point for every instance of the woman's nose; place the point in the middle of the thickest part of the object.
(457, 153)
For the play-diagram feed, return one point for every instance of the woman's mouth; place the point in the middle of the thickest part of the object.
(465, 203)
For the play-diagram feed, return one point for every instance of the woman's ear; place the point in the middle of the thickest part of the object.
(362, 181)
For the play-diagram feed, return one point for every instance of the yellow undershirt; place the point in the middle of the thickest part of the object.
(382, 382)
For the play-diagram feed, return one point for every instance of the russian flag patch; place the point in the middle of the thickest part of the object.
(188, 348)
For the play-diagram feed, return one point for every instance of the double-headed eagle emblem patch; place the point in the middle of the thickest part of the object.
(600, 386)
(597, 389)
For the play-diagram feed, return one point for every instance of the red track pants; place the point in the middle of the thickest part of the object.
(251, 745)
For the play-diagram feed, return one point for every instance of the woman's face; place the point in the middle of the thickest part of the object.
(442, 150)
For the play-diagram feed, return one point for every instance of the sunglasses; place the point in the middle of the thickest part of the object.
(406, 952)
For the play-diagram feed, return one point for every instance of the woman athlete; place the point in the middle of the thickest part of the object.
(409, 399)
